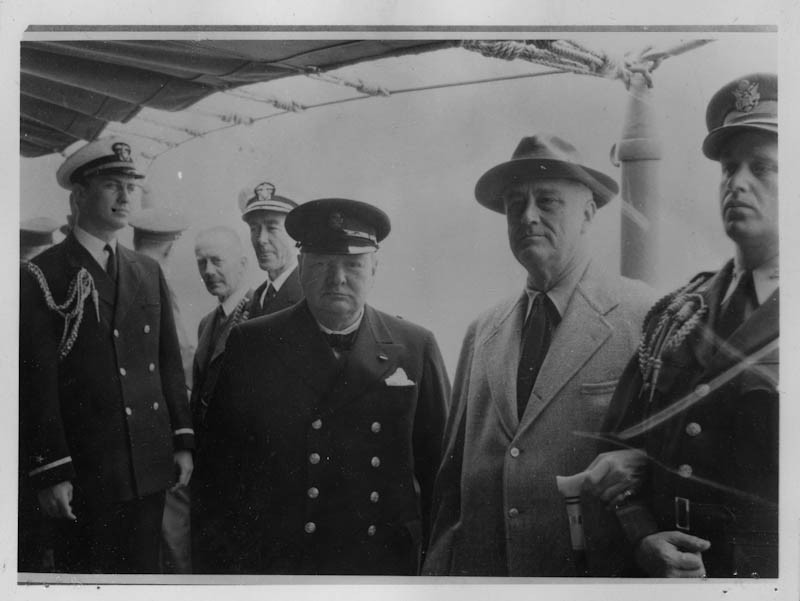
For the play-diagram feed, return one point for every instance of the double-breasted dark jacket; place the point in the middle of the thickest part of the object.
(108, 415)
(712, 436)
(289, 294)
(332, 461)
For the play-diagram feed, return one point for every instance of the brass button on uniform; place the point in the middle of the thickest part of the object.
(513, 512)
(116, 333)
(310, 527)
(693, 429)
(514, 452)
(155, 406)
(372, 530)
(146, 329)
(313, 492)
(316, 424)
(702, 390)
(152, 367)
(374, 497)
(375, 462)
(128, 411)
(685, 470)
(375, 427)
(314, 458)
(122, 371)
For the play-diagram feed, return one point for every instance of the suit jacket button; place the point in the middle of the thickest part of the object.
(514, 452)
(313, 492)
(375, 461)
(146, 329)
(374, 497)
(314, 458)
(310, 527)
(375, 427)
(371, 530)
(316, 424)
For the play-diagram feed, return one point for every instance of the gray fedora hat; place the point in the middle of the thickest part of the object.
(542, 156)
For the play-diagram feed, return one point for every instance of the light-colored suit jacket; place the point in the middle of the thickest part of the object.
(497, 510)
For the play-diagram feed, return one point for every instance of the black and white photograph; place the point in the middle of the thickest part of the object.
(356, 307)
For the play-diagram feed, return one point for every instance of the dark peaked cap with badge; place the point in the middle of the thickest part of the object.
(747, 103)
(542, 156)
(106, 155)
(337, 226)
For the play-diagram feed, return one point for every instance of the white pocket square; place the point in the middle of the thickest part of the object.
(399, 378)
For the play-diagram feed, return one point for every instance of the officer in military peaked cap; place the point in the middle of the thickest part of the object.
(332, 415)
(105, 423)
(702, 395)
(264, 211)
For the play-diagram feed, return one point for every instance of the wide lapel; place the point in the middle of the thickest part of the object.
(501, 348)
(757, 331)
(302, 349)
(204, 341)
(129, 279)
(703, 342)
(234, 318)
(289, 294)
(582, 331)
(373, 357)
(77, 258)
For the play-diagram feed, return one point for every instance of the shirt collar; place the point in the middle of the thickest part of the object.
(560, 293)
(278, 282)
(347, 330)
(229, 304)
(94, 245)
(765, 278)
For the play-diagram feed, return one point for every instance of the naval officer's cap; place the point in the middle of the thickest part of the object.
(106, 155)
(260, 196)
(158, 224)
(749, 103)
(337, 226)
(37, 231)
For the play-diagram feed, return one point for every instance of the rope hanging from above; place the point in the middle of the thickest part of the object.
(571, 56)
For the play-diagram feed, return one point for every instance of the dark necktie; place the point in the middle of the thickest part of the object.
(537, 334)
(111, 264)
(740, 304)
(216, 328)
(269, 294)
(342, 342)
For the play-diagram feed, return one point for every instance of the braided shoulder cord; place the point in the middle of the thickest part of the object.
(240, 314)
(80, 288)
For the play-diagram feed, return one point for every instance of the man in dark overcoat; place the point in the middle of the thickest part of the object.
(105, 424)
(701, 396)
(333, 413)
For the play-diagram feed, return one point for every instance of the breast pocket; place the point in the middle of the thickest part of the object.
(598, 394)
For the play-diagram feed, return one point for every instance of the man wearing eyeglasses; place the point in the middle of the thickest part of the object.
(105, 428)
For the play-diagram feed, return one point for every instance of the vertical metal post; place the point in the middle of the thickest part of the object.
(639, 151)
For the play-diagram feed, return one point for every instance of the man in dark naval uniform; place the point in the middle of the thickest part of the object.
(702, 396)
(265, 214)
(105, 424)
(333, 413)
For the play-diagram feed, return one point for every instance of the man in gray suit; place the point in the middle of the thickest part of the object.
(534, 370)
(222, 265)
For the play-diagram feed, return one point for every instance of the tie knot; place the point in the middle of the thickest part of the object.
(341, 342)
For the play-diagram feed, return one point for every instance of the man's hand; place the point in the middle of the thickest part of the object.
(56, 501)
(614, 476)
(183, 460)
(672, 555)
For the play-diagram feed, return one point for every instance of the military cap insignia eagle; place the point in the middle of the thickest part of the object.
(123, 152)
(746, 96)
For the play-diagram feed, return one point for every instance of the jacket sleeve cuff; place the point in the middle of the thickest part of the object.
(52, 473)
(183, 439)
(636, 522)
